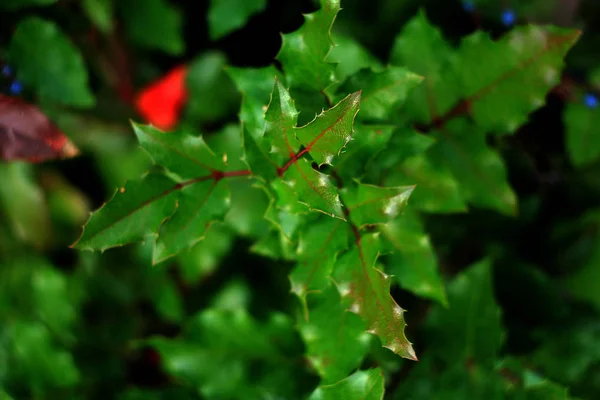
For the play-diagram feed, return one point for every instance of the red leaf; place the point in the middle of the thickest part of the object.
(161, 102)
(26, 133)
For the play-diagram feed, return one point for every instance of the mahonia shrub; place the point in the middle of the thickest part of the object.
(338, 185)
(337, 166)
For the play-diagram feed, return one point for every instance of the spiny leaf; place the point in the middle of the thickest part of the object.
(436, 95)
(382, 91)
(413, 262)
(582, 138)
(361, 385)
(520, 69)
(197, 207)
(436, 188)
(186, 155)
(367, 291)
(256, 85)
(367, 141)
(281, 117)
(285, 212)
(471, 328)
(135, 212)
(330, 131)
(479, 169)
(350, 57)
(46, 60)
(336, 340)
(315, 189)
(303, 52)
(258, 160)
(370, 204)
(318, 250)
(226, 16)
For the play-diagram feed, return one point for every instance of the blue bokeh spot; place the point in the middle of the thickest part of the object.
(468, 6)
(508, 17)
(7, 70)
(590, 100)
(16, 87)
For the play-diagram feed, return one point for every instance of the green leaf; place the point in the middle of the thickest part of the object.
(226, 16)
(23, 204)
(519, 70)
(414, 263)
(284, 212)
(281, 117)
(100, 12)
(361, 385)
(37, 360)
(154, 25)
(206, 255)
(183, 154)
(582, 140)
(382, 91)
(421, 48)
(227, 354)
(198, 206)
(325, 137)
(135, 212)
(17, 4)
(318, 249)
(206, 74)
(256, 85)
(436, 188)
(304, 51)
(370, 204)
(471, 329)
(367, 291)
(350, 56)
(315, 189)
(46, 60)
(258, 159)
(335, 339)
(479, 169)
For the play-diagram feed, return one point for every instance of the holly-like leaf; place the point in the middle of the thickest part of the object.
(329, 132)
(472, 327)
(421, 48)
(183, 154)
(370, 204)
(318, 250)
(350, 57)
(226, 16)
(582, 139)
(367, 141)
(519, 70)
(479, 169)
(258, 159)
(285, 211)
(17, 4)
(281, 117)
(198, 206)
(367, 291)
(336, 340)
(45, 59)
(413, 262)
(304, 51)
(134, 213)
(382, 91)
(361, 385)
(166, 22)
(436, 189)
(315, 189)
(256, 85)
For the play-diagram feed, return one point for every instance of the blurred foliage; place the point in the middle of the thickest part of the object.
(496, 256)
